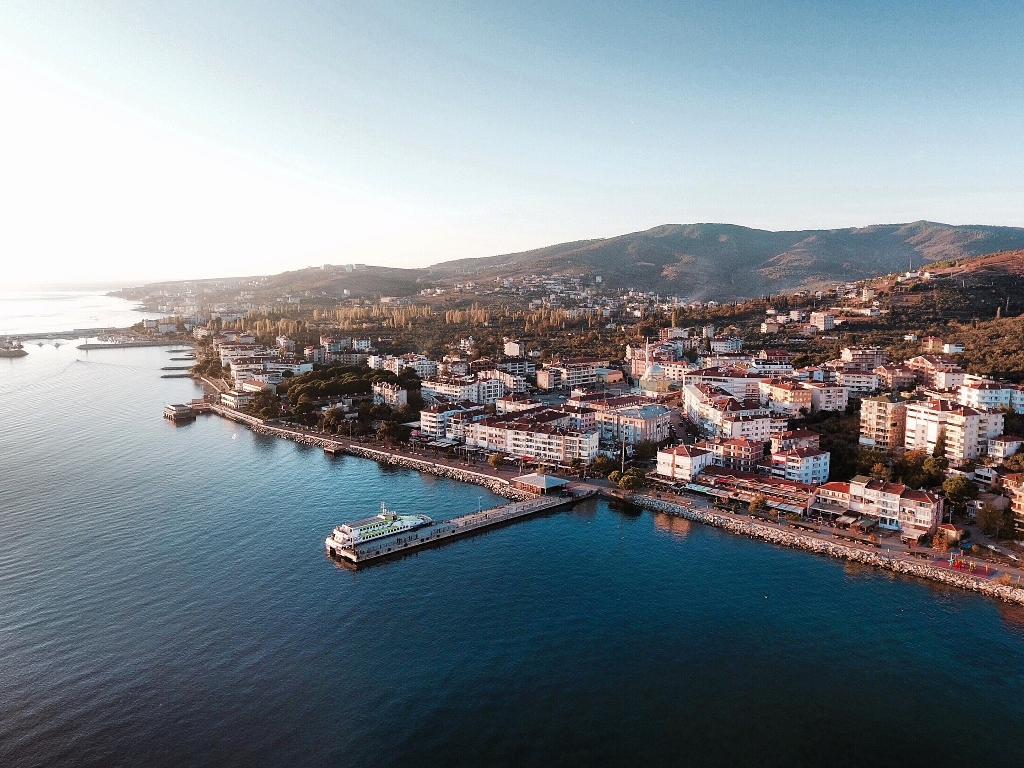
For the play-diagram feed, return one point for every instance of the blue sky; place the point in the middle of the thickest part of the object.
(152, 139)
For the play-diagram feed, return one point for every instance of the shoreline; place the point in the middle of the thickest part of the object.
(502, 487)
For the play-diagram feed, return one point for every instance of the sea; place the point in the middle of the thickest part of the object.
(165, 600)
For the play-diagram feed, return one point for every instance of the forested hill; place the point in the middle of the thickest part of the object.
(724, 261)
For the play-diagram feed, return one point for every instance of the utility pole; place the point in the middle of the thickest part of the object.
(623, 471)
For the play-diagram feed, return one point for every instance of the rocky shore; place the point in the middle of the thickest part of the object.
(785, 538)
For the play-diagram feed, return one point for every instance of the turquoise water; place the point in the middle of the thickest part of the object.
(165, 600)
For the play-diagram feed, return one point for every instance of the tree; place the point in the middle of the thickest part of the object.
(602, 465)
(990, 519)
(881, 472)
(959, 490)
(934, 468)
(265, 405)
(759, 503)
(940, 443)
(496, 459)
(645, 450)
(615, 476)
(630, 482)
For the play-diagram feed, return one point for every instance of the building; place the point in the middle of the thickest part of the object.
(809, 466)
(286, 344)
(966, 430)
(787, 397)
(515, 348)
(237, 400)
(823, 321)
(796, 438)
(951, 348)
(864, 358)
(1004, 446)
(726, 344)
(882, 422)
(857, 382)
(736, 454)
(394, 395)
(473, 388)
(894, 506)
(827, 397)
(422, 365)
(434, 418)
(540, 435)
(895, 377)
(683, 462)
(636, 424)
(985, 394)
(934, 371)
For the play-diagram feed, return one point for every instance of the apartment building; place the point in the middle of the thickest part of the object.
(864, 358)
(534, 437)
(787, 397)
(967, 430)
(823, 321)
(985, 394)
(434, 418)
(683, 462)
(882, 422)
(809, 466)
(736, 453)
(857, 382)
(936, 371)
(896, 377)
(636, 424)
(394, 395)
(827, 397)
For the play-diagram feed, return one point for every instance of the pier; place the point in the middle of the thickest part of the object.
(449, 529)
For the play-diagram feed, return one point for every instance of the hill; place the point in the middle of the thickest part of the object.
(724, 261)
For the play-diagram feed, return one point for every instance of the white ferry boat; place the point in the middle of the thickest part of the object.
(387, 523)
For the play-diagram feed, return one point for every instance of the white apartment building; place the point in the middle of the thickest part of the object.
(865, 358)
(986, 394)
(967, 430)
(858, 382)
(533, 439)
(737, 382)
(809, 466)
(434, 418)
(789, 398)
(823, 321)
(390, 394)
(683, 462)
(635, 424)
(827, 397)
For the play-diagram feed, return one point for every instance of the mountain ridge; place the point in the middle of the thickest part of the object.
(727, 261)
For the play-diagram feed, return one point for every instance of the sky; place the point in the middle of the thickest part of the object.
(199, 138)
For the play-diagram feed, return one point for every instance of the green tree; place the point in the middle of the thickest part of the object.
(602, 465)
(934, 468)
(759, 503)
(940, 444)
(615, 476)
(630, 482)
(496, 459)
(990, 519)
(959, 490)
(645, 450)
(264, 405)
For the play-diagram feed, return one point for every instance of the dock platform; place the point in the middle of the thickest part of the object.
(449, 529)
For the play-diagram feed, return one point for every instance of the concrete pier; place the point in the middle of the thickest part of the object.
(449, 529)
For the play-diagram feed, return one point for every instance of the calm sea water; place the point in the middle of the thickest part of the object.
(165, 600)
(43, 310)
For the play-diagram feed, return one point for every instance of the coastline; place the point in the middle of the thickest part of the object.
(501, 487)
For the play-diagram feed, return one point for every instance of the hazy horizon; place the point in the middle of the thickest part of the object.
(151, 141)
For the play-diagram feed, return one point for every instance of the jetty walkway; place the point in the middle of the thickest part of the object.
(449, 529)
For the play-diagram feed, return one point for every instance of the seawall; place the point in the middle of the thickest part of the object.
(784, 538)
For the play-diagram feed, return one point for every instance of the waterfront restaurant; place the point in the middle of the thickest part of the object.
(536, 482)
